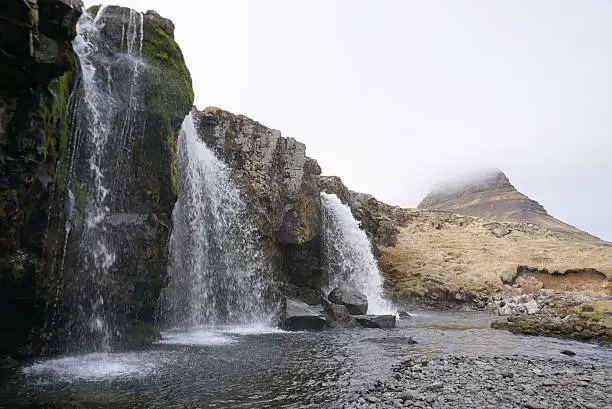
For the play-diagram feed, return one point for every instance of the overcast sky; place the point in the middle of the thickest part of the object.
(394, 96)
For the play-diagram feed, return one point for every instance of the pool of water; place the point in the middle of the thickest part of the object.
(257, 367)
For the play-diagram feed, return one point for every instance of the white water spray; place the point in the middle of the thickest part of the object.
(347, 255)
(216, 265)
(106, 117)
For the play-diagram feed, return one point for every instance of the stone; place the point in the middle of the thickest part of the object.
(568, 352)
(356, 302)
(436, 386)
(532, 307)
(340, 316)
(404, 315)
(376, 321)
(299, 316)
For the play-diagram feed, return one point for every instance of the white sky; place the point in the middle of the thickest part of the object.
(394, 96)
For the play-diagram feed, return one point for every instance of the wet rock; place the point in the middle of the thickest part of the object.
(404, 315)
(356, 302)
(376, 321)
(281, 183)
(299, 316)
(568, 352)
(8, 363)
(340, 316)
(392, 340)
(479, 382)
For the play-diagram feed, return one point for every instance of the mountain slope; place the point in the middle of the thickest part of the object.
(490, 195)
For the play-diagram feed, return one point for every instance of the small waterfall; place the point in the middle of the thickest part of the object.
(216, 266)
(347, 255)
(106, 120)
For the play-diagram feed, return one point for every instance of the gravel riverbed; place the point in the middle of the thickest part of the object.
(490, 382)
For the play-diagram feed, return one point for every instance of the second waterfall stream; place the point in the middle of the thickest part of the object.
(347, 255)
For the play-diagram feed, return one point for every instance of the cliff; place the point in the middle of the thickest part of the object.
(280, 182)
(36, 66)
(49, 135)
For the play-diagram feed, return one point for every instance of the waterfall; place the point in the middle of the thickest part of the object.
(347, 255)
(106, 120)
(216, 265)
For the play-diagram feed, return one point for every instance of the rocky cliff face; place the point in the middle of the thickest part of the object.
(44, 159)
(281, 184)
(490, 195)
(36, 66)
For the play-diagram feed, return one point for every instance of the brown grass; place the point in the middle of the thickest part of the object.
(439, 255)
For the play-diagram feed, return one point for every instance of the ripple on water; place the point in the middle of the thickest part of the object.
(95, 367)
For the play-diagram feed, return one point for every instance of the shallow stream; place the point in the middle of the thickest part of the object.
(256, 367)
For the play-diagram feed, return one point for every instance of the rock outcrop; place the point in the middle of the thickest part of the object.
(281, 184)
(36, 65)
(490, 195)
(43, 161)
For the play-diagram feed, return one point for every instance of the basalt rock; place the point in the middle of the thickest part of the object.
(281, 184)
(41, 189)
(354, 301)
(376, 321)
(299, 316)
(36, 77)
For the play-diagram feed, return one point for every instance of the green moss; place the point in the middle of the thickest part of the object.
(173, 89)
(56, 118)
(93, 10)
(169, 95)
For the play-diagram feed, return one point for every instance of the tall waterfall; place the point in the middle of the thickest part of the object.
(347, 255)
(216, 266)
(106, 119)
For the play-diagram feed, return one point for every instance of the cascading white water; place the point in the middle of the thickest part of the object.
(347, 255)
(216, 265)
(105, 119)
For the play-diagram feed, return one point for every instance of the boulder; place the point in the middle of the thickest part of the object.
(356, 302)
(376, 321)
(404, 315)
(299, 316)
(340, 316)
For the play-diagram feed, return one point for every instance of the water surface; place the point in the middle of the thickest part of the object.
(257, 367)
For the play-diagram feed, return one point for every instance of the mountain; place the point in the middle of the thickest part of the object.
(490, 195)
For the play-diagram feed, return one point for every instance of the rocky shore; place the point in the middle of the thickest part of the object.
(490, 382)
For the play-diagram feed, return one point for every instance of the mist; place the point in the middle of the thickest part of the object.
(397, 96)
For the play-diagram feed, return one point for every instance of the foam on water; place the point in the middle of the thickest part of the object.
(222, 335)
(196, 337)
(96, 367)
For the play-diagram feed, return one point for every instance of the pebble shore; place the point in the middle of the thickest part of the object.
(490, 382)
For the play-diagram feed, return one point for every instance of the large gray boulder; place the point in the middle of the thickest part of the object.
(340, 317)
(356, 302)
(376, 321)
(299, 316)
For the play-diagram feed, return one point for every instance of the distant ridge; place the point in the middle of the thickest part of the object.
(490, 195)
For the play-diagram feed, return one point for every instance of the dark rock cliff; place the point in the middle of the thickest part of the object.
(281, 183)
(36, 66)
(42, 163)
